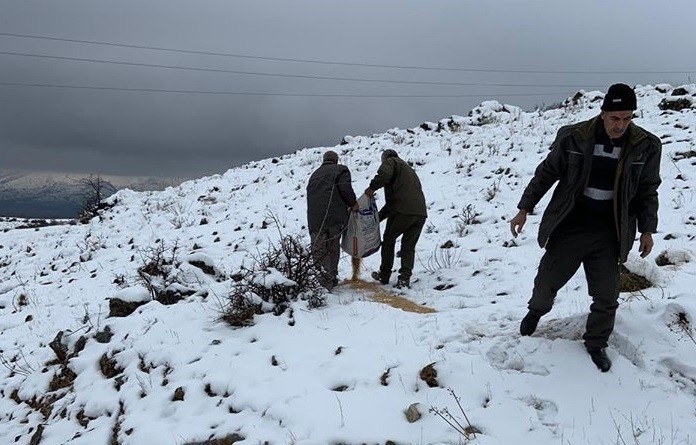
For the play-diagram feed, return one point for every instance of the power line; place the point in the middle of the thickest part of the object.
(294, 76)
(341, 63)
(236, 93)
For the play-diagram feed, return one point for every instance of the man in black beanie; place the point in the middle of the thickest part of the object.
(608, 172)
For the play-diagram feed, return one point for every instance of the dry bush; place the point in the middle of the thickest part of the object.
(160, 274)
(467, 432)
(284, 273)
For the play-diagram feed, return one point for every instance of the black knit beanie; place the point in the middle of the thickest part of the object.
(389, 153)
(619, 97)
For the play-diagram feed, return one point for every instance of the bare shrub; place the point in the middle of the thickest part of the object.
(682, 324)
(469, 431)
(442, 258)
(493, 190)
(284, 273)
(159, 274)
(468, 216)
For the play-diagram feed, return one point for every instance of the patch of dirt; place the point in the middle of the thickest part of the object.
(632, 282)
(380, 294)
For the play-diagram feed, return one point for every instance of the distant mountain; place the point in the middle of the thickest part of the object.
(61, 195)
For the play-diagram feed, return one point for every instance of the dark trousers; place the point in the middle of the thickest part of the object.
(409, 227)
(326, 251)
(598, 252)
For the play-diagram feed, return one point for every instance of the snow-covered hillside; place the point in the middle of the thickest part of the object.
(346, 373)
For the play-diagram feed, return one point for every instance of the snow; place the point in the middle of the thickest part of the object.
(346, 372)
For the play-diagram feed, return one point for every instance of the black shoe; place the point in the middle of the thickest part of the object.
(529, 323)
(402, 283)
(328, 283)
(599, 358)
(379, 277)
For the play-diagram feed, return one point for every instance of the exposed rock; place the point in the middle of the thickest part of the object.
(120, 308)
(412, 413)
(104, 336)
(207, 269)
(59, 348)
(429, 375)
(178, 394)
(62, 379)
(675, 104)
(228, 440)
(109, 366)
(447, 245)
(79, 346)
(36, 437)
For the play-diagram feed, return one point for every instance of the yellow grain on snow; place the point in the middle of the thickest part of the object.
(380, 294)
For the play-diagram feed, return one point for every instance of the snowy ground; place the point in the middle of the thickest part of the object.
(345, 373)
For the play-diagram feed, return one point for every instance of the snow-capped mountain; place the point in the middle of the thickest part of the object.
(441, 363)
(61, 195)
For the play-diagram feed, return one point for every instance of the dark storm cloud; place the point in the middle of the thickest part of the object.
(176, 134)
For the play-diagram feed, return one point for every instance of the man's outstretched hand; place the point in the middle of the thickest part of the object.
(517, 222)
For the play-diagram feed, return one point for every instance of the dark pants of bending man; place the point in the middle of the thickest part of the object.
(597, 251)
(326, 251)
(409, 227)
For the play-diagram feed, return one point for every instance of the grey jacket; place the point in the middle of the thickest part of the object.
(403, 192)
(569, 163)
(329, 194)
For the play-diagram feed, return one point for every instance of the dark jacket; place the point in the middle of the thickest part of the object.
(329, 194)
(569, 163)
(402, 189)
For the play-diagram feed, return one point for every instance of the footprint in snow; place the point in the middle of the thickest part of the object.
(546, 410)
(682, 374)
(511, 355)
(625, 347)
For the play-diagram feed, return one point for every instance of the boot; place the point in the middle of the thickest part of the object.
(599, 358)
(403, 283)
(379, 277)
(529, 323)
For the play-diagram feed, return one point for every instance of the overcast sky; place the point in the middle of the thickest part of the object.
(160, 133)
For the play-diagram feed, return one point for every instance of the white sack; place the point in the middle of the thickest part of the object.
(361, 237)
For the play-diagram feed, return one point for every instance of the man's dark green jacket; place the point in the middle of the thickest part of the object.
(569, 164)
(329, 194)
(402, 189)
